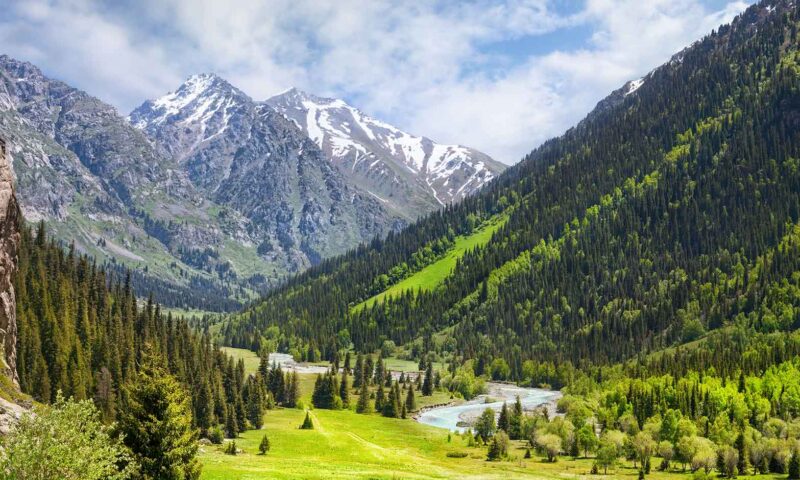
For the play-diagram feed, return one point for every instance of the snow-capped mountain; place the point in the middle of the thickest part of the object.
(410, 174)
(246, 156)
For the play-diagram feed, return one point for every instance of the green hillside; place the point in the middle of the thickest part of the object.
(432, 275)
(637, 230)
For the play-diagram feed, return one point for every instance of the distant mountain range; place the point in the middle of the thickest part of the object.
(209, 195)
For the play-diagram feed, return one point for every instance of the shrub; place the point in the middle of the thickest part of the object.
(457, 454)
(230, 448)
(215, 435)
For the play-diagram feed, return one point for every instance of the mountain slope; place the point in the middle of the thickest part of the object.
(101, 184)
(247, 156)
(411, 174)
(671, 210)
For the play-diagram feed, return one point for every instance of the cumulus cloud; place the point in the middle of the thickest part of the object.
(489, 74)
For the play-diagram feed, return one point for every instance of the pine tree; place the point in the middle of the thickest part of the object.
(307, 423)
(380, 372)
(358, 371)
(157, 423)
(794, 465)
(364, 405)
(344, 389)
(264, 446)
(379, 398)
(255, 403)
(369, 366)
(503, 420)
(231, 425)
(515, 421)
(347, 362)
(427, 384)
(411, 402)
(292, 389)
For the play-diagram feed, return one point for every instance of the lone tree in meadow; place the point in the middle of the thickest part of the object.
(307, 423)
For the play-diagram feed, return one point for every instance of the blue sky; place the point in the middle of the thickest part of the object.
(501, 76)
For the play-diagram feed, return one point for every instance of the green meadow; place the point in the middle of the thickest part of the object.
(434, 274)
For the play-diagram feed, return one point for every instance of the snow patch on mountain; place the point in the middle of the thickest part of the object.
(349, 136)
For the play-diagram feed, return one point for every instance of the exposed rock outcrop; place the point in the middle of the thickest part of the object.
(9, 245)
(12, 403)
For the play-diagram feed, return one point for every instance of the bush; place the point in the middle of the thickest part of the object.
(230, 448)
(457, 454)
(215, 435)
(67, 440)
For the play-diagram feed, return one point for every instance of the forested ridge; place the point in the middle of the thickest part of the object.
(84, 334)
(669, 214)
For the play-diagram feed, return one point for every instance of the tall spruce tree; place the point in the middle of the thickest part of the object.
(156, 423)
(427, 384)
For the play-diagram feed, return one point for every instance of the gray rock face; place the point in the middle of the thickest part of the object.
(102, 184)
(409, 174)
(246, 156)
(10, 217)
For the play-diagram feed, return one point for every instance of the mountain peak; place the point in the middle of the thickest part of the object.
(199, 97)
(384, 158)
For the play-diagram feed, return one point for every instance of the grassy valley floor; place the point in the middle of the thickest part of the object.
(346, 445)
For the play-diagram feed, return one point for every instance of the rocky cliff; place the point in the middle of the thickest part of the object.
(10, 219)
(9, 244)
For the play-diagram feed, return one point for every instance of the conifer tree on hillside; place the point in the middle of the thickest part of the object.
(427, 384)
(156, 423)
(503, 420)
(292, 389)
(369, 367)
(344, 390)
(358, 371)
(364, 405)
(380, 400)
(347, 365)
(411, 402)
(515, 421)
(231, 425)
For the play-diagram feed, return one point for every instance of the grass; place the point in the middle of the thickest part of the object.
(434, 274)
(251, 360)
(346, 445)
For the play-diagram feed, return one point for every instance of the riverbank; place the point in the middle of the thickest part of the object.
(459, 417)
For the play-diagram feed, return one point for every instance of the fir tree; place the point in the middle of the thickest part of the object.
(503, 420)
(364, 405)
(307, 423)
(344, 389)
(379, 398)
(427, 385)
(264, 446)
(157, 423)
(358, 371)
(411, 401)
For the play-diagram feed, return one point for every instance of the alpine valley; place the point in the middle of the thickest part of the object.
(624, 302)
(208, 196)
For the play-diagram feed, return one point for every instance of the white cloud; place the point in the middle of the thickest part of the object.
(425, 66)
